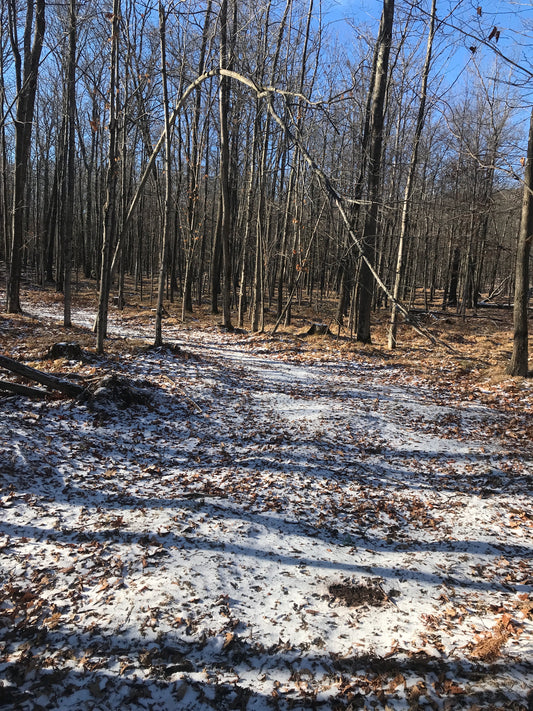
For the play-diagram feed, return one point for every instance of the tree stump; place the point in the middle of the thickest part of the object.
(117, 390)
(318, 329)
(68, 351)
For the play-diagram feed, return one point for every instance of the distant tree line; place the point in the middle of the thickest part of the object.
(105, 174)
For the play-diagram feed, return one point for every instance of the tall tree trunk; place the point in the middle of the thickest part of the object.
(165, 240)
(257, 315)
(406, 208)
(287, 268)
(519, 358)
(346, 260)
(70, 177)
(109, 224)
(216, 258)
(4, 197)
(224, 107)
(248, 212)
(377, 119)
(26, 70)
(193, 176)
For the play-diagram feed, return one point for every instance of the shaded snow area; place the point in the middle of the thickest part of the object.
(265, 533)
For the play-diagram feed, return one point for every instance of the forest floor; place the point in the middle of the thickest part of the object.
(278, 522)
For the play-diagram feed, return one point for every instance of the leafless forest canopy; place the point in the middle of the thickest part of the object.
(339, 150)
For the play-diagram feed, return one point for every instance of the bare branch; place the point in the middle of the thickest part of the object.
(268, 93)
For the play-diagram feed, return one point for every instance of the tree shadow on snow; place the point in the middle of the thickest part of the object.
(241, 551)
(62, 669)
(186, 674)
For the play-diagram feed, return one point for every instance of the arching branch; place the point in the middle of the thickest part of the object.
(268, 93)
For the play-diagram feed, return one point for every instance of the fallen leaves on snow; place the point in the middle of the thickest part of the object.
(262, 528)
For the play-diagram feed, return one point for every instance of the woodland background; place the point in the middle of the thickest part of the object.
(129, 162)
(247, 519)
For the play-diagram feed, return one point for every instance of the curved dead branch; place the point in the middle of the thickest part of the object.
(268, 93)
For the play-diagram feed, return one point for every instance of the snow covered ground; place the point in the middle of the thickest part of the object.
(268, 532)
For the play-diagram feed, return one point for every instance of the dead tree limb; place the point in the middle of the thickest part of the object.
(339, 202)
(49, 381)
(292, 132)
(18, 389)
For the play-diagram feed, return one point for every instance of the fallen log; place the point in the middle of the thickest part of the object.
(18, 389)
(49, 381)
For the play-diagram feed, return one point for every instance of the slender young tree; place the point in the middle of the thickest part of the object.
(70, 185)
(109, 223)
(193, 174)
(225, 207)
(257, 305)
(408, 193)
(167, 207)
(295, 170)
(4, 181)
(519, 358)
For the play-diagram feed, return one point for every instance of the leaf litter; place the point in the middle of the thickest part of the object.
(262, 529)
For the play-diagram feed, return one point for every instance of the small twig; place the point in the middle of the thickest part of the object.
(196, 405)
(388, 598)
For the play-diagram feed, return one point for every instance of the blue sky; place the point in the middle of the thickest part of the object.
(454, 59)
(513, 21)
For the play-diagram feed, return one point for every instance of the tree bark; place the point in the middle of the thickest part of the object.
(165, 240)
(406, 207)
(50, 381)
(519, 358)
(70, 155)
(27, 69)
(111, 188)
(366, 281)
(4, 196)
(24, 390)
(224, 107)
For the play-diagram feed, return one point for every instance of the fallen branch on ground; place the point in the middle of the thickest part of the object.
(49, 381)
(18, 389)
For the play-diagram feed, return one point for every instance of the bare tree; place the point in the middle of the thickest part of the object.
(377, 119)
(109, 221)
(225, 207)
(4, 108)
(167, 207)
(70, 103)
(406, 207)
(26, 72)
(194, 172)
(519, 359)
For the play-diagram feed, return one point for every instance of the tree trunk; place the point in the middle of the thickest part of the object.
(366, 281)
(165, 240)
(4, 197)
(27, 69)
(224, 107)
(406, 208)
(111, 188)
(193, 178)
(50, 381)
(70, 176)
(519, 358)
(248, 212)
